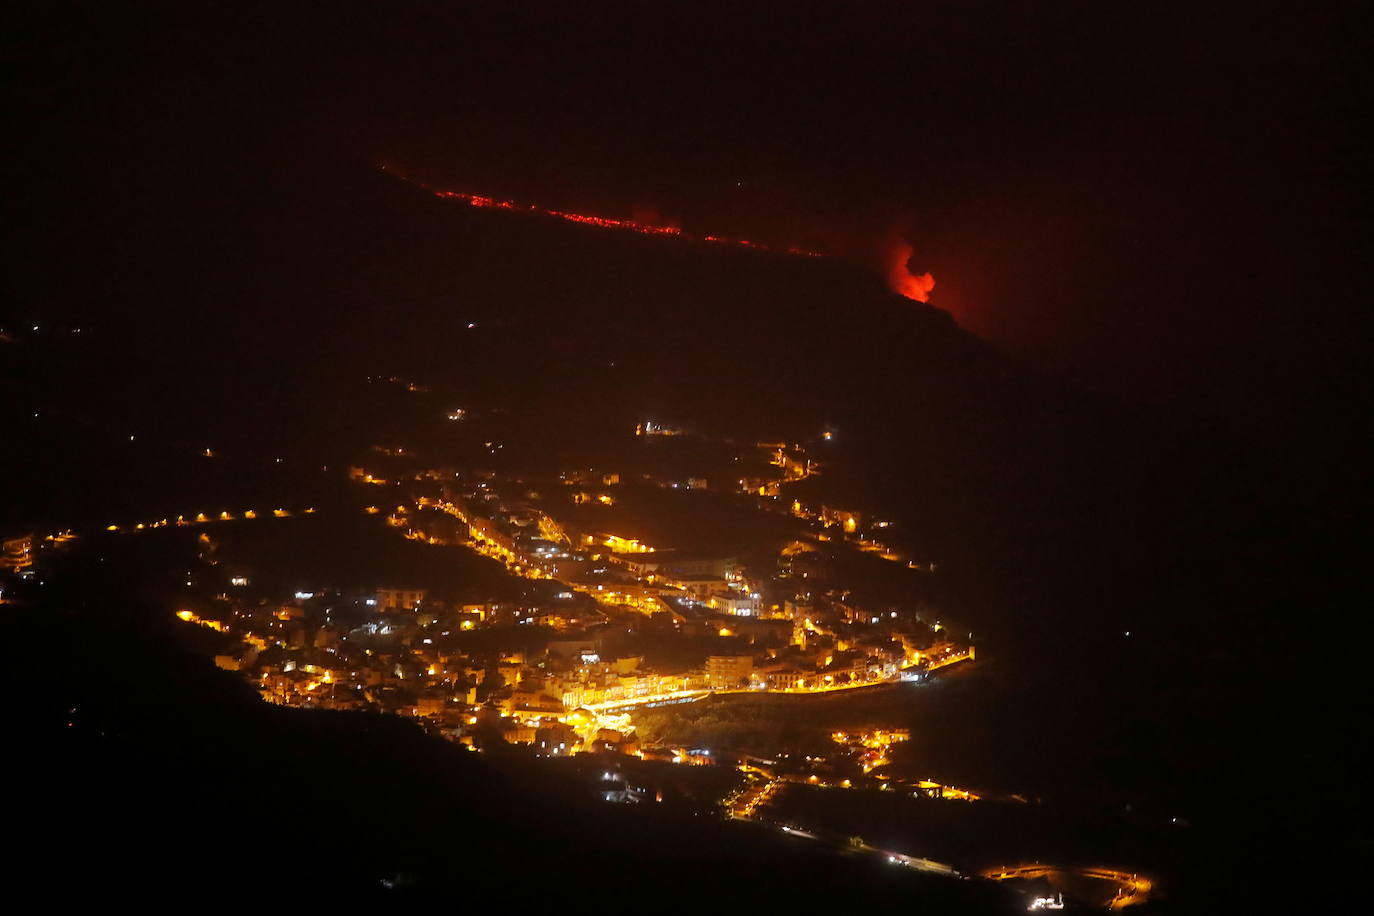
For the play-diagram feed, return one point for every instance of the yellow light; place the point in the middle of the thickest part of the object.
(185, 615)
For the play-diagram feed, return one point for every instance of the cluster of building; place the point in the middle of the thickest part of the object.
(402, 651)
(396, 650)
(556, 674)
(16, 553)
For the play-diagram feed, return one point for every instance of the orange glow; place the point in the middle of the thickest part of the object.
(477, 200)
(903, 281)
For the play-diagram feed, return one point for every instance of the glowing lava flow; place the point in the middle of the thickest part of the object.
(913, 286)
(477, 200)
(900, 278)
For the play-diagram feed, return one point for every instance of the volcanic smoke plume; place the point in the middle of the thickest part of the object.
(902, 280)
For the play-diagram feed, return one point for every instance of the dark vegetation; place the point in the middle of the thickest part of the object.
(349, 550)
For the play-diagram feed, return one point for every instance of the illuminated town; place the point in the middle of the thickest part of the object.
(782, 627)
(621, 622)
(699, 575)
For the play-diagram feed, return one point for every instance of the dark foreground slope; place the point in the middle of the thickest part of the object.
(149, 776)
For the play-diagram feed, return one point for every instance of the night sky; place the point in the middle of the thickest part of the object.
(1154, 200)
